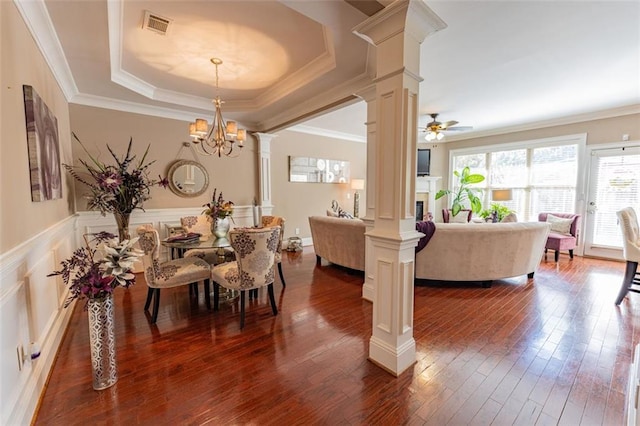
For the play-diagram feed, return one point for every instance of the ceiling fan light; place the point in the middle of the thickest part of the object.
(439, 136)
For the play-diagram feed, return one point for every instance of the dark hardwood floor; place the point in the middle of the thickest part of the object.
(553, 350)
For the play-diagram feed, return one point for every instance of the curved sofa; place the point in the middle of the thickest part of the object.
(482, 251)
(338, 240)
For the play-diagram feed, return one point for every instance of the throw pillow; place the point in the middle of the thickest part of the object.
(461, 217)
(560, 225)
(331, 213)
(511, 217)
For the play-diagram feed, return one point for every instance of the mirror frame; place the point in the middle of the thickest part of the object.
(179, 163)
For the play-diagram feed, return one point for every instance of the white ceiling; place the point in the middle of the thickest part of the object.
(498, 66)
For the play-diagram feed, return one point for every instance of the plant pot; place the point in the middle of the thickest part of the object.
(103, 342)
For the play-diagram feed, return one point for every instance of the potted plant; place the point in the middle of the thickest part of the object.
(464, 192)
(497, 209)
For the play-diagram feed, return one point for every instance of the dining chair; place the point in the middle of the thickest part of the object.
(202, 225)
(253, 268)
(463, 216)
(172, 273)
(270, 221)
(628, 221)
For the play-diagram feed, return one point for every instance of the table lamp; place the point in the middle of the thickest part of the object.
(356, 185)
(500, 195)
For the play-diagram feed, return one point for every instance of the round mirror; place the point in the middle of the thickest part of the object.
(188, 178)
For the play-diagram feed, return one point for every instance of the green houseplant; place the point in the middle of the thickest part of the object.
(500, 210)
(464, 192)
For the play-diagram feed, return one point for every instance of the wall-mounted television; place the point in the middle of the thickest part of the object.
(424, 162)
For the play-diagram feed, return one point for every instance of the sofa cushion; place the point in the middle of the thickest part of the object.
(560, 225)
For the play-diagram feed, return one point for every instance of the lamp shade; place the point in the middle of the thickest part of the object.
(501, 195)
(357, 184)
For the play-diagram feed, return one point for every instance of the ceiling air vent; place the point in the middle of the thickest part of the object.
(155, 23)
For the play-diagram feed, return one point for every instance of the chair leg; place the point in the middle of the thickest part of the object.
(149, 297)
(318, 260)
(216, 296)
(241, 309)
(156, 306)
(272, 299)
(207, 295)
(556, 255)
(195, 290)
(629, 275)
(281, 276)
(571, 253)
(530, 275)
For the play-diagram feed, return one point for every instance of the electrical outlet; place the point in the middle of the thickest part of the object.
(297, 231)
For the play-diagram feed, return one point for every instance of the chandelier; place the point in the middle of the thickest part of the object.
(223, 136)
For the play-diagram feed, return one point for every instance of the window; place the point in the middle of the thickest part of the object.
(542, 174)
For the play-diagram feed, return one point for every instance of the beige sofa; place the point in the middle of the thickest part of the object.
(482, 251)
(338, 240)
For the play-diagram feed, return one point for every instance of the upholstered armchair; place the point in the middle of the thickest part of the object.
(172, 273)
(463, 216)
(565, 229)
(253, 268)
(628, 221)
(270, 221)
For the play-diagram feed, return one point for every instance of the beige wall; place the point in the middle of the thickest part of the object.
(603, 131)
(297, 201)
(22, 63)
(97, 127)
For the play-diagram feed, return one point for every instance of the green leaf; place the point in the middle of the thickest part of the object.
(455, 209)
(442, 193)
(475, 178)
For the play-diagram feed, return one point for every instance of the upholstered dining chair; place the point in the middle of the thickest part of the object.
(253, 268)
(270, 221)
(202, 225)
(565, 229)
(463, 216)
(172, 273)
(628, 221)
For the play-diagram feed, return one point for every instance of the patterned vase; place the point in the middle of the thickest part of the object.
(220, 230)
(103, 342)
(122, 220)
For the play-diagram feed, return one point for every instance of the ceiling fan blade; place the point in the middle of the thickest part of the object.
(458, 128)
(447, 124)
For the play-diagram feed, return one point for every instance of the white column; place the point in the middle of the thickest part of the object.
(369, 96)
(264, 171)
(396, 32)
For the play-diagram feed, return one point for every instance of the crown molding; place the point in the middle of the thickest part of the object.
(310, 130)
(561, 121)
(36, 17)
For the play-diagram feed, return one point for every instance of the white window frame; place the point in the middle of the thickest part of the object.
(579, 139)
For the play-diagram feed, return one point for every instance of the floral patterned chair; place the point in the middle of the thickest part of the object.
(172, 273)
(269, 221)
(256, 250)
(202, 225)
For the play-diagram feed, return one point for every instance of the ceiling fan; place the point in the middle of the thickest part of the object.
(435, 128)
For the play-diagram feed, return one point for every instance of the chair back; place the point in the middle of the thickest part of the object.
(255, 250)
(628, 221)
(270, 221)
(574, 229)
(448, 217)
(150, 244)
(200, 224)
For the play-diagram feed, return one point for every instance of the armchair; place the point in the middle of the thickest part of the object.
(565, 230)
(631, 250)
(447, 217)
(172, 273)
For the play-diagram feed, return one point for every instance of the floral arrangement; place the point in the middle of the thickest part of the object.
(115, 188)
(88, 278)
(218, 207)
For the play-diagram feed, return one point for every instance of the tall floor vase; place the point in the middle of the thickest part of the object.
(122, 220)
(103, 342)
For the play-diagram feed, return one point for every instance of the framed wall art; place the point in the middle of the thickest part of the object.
(43, 146)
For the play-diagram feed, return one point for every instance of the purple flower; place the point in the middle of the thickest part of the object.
(109, 180)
